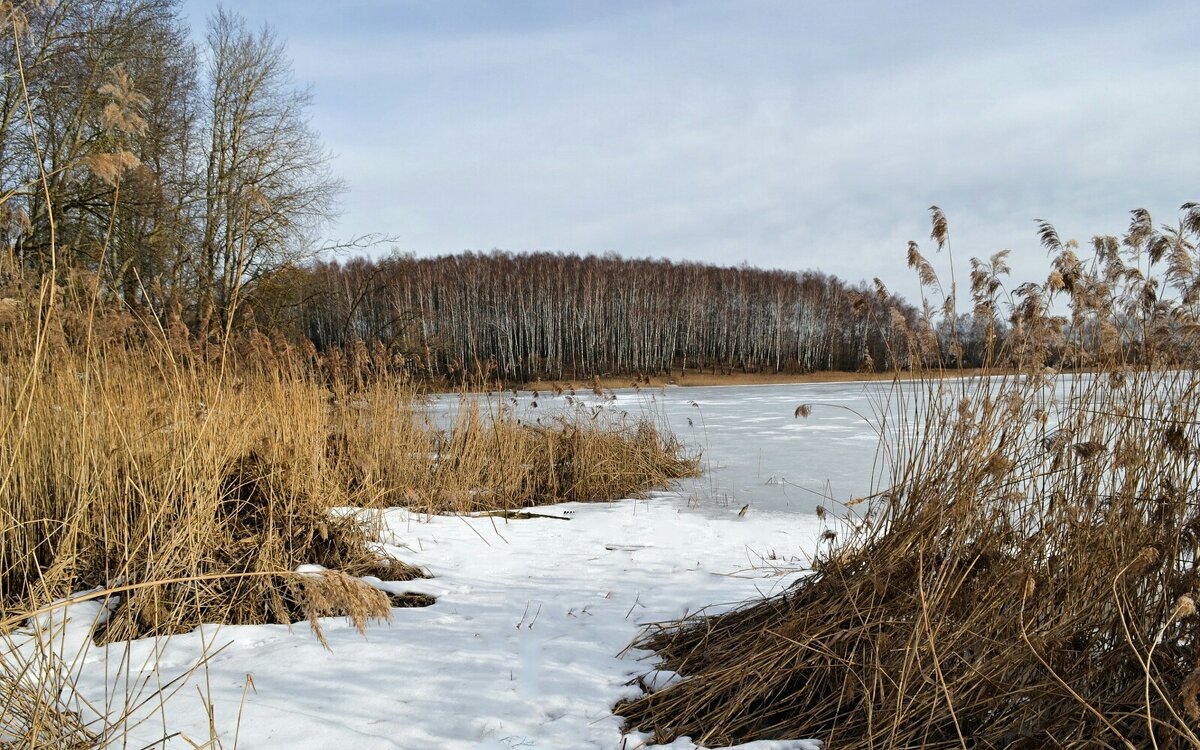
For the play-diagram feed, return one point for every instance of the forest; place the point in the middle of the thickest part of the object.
(521, 317)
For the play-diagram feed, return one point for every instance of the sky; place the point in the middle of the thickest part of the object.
(796, 135)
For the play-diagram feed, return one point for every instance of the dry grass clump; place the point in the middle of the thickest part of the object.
(614, 460)
(31, 721)
(392, 452)
(184, 495)
(33, 713)
(492, 460)
(327, 593)
(1029, 579)
(121, 470)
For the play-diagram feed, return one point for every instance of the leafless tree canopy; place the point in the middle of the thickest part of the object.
(566, 316)
(173, 175)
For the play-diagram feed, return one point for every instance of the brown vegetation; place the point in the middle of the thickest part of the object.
(1029, 579)
(124, 467)
(147, 462)
(184, 481)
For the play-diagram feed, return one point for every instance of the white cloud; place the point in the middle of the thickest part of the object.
(783, 134)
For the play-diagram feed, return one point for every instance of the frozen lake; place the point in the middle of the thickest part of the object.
(754, 449)
(525, 646)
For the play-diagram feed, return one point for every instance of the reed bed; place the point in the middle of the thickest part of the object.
(182, 480)
(489, 459)
(121, 468)
(159, 461)
(1029, 578)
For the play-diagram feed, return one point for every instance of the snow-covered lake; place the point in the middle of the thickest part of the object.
(755, 450)
(524, 647)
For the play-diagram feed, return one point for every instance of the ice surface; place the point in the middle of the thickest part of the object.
(755, 450)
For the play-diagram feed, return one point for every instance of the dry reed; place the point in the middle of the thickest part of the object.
(122, 468)
(1029, 578)
(151, 461)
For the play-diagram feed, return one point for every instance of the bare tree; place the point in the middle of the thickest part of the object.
(94, 93)
(267, 184)
(547, 315)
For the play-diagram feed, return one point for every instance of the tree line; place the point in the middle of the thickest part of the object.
(525, 316)
(181, 181)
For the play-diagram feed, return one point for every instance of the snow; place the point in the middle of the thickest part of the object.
(526, 645)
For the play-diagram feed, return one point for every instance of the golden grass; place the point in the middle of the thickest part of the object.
(186, 481)
(153, 461)
(119, 470)
(489, 460)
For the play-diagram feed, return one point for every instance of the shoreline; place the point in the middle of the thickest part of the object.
(696, 380)
(708, 379)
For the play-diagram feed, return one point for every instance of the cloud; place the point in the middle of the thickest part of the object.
(780, 134)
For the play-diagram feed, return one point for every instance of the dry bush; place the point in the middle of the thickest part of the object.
(1028, 580)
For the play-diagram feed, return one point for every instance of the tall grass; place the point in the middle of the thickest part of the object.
(1029, 578)
(122, 467)
(182, 481)
(146, 462)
